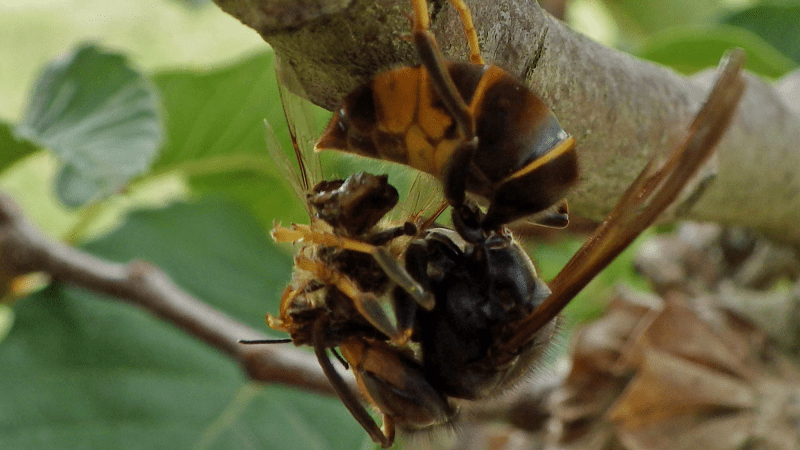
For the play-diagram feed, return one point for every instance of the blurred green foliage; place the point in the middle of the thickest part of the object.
(100, 117)
(170, 166)
(777, 23)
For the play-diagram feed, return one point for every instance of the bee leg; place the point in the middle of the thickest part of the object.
(384, 236)
(467, 221)
(456, 172)
(388, 263)
(466, 215)
(367, 304)
(276, 323)
(346, 395)
(422, 21)
(392, 268)
(459, 165)
(396, 384)
(437, 251)
(556, 216)
(417, 262)
(306, 233)
(398, 274)
(388, 427)
(431, 57)
(416, 267)
(469, 29)
(405, 310)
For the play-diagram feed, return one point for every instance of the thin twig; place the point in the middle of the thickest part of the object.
(25, 249)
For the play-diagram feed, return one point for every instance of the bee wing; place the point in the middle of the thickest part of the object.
(424, 202)
(300, 119)
(645, 199)
(306, 171)
(281, 159)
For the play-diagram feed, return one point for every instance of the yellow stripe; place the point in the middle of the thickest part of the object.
(563, 147)
(489, 77)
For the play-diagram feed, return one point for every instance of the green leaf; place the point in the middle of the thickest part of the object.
(100, 116)
(193, 4)
(270, 198)
(689, 49)
(645, 17)
(777, 24)
(551, 256)
(6, 320)
(12, 148)
(215, 118)
(215, 249)
(80, 371)
(215, 126)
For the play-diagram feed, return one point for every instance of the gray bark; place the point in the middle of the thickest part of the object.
(621, 110)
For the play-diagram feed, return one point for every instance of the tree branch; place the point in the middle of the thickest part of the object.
(622, 110)
(25, 249)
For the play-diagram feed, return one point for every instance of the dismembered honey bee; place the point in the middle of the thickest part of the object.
(347, 270)
(469, 315)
